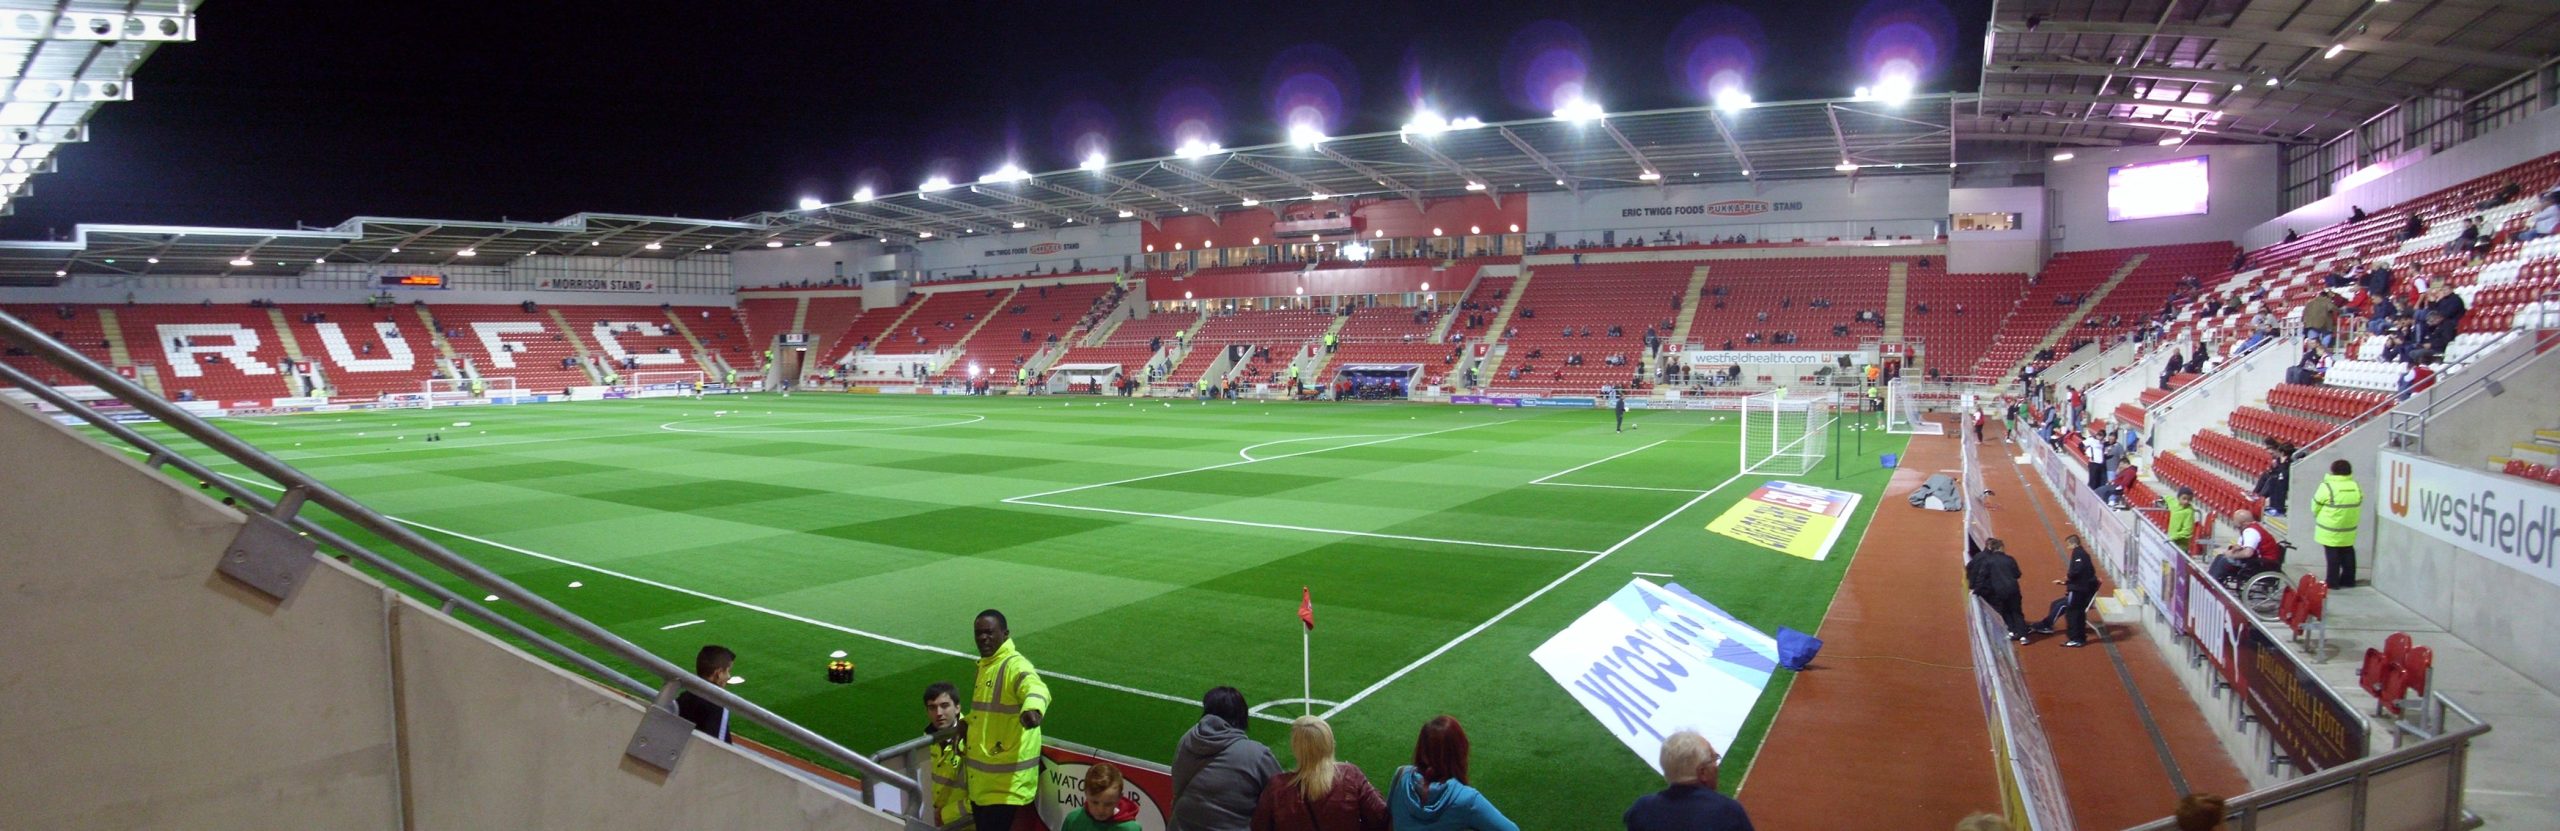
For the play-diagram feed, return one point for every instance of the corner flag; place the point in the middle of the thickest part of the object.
(1307, 608)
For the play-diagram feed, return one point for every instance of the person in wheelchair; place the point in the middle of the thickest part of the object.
(2256, 552)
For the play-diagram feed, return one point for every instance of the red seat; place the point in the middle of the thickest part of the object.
(2379, 662)
(2407, 678)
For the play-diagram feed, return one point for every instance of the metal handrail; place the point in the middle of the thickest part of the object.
(314, 491)
(157, 454)
(2352, 774)
(2439, 396)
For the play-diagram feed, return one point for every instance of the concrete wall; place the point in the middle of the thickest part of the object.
(2514, 144)
(700, 280)
(1103, 247)
(2243, 179)
(2021, 251)
(849, 259)
(2228, 386)
(150, 692)
(1840, 207)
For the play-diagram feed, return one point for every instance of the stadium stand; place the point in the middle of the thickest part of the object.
(1022, 327)
(1283, 334)
(506, 341)
(1815, 300)
(1587, 301)
(361, 349)
(1395, 335)
(79, 327)
(1964, 314)
(227, 352)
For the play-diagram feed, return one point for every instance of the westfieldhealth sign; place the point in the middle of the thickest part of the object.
(1656, 660)
(2511, 521)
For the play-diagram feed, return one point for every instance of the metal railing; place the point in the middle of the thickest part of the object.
(2408, 418)
(300, 490)
(2351, 789)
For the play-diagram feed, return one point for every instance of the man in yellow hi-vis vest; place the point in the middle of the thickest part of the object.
(2336, 510)
(950, 799)
(1006, 705)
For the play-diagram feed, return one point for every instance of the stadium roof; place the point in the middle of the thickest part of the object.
(63, 61)
(2293, 71)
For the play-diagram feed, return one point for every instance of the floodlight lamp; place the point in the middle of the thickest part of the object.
(1475, 186)
(1010, 172)
(938, 183)
(1250, 202)
(1305, 136)
(467, 252)
(773, 243)
(824, 243)
(241, 262)
(2063, 156)
(1579, 110)
(2167, 141)
(1846, 167)
(1733, 100)
(651, 246)
(1426, 123)
(811, 203)
(924, 235)
(862, 195)
(1195, 148)
(1095, 161)
(1435, 232)
(2333, 51)
(1128, 214)
(1649, 176)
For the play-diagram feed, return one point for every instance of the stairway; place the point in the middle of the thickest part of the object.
(115, 338)
(586, 359)
(1688, 306)
(443, 347)
(701, 356)
(1449, 318)
(292, 350)
(1896, 294)
(1315, 365)
(799, 317)
(1493, 331)
(2072, 321)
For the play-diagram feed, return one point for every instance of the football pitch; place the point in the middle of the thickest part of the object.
(1144, 553)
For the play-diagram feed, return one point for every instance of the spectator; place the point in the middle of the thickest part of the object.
(2336, 509)
(942, 713)
(711, 664)
(2277, 479)
(2355, 213)
(1993, 576)
(2545, 222)
(2182, 521)
(2200, 812)
(2255, 543)
(2415, 228)
(1008, 702)
(2079, 586)
(2464, 241)
(1322, 794)
(1691, 803)
(1432, 794)
(1104, 807)
(1218, 772)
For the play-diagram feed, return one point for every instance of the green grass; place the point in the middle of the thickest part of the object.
(851, 522)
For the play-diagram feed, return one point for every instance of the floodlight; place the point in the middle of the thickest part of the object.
(1580, 110)
(2167, 141)
(2333, 51)
(1649, 176)
(1427, 123)
(811, 203)
(241, 262)
(1435, 232)
(1250, 202)
(1733, 100)
(1019, 226)
(1128, 214)
(1195, 148)
(862, 195)
(651, 246)
(1095, 161)
(773, 243)
(1475, 186)
(1305, 135)
(2063, 156)
(1846, 167)
(935, 184)
(824, 243)
(467, 253)
(1010, 172)
(924, 235)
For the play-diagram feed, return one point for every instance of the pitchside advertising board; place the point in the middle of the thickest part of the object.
(1794, 519)
(2504, 519)
(1654, 660)
(1712, 358)
(1062, 788)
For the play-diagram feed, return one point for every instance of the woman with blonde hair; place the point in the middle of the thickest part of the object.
(1322, 794)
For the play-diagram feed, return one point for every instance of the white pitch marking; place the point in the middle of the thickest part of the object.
(1247, 452)
(1525, 601)
(1183, 700)
(1616, 487)
(1312, 530)
(1649, 574)
(1543, 479)
(1223, 465)
(678, 625)
(973, 419)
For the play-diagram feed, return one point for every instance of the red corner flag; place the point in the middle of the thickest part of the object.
(1307, 608)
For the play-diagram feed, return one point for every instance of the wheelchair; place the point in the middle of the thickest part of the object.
(2260, 584)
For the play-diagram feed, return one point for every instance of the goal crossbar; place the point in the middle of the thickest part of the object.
(1785, 435)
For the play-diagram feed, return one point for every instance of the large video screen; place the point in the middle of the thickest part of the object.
(2176, 187)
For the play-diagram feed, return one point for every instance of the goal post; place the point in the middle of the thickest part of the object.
(1785, 435)
(1903, 414)
(662, 384)
(449, 392)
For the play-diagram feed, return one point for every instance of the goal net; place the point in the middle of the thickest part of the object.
(661, 384)
(450, 392)
(1902, 414)
(1783, 434)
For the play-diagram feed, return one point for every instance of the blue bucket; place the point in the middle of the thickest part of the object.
(1892, 460)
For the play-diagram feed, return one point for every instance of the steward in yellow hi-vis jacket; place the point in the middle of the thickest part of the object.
(1006, 705)
(2337, 508)
(950, 798)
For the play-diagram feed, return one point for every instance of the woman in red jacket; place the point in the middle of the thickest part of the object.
(1322, 794)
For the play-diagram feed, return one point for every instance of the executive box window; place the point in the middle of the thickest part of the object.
(1989, 221)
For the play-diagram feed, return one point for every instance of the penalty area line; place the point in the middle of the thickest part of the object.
(1498, 617)
(1309, 529)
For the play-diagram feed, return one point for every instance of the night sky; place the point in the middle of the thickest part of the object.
(312, 112)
